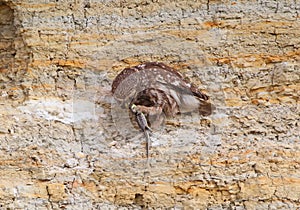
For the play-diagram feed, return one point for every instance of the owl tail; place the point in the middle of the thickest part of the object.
(206, 108)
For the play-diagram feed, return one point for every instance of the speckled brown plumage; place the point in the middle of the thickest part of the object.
(159, 89)
(164, 70)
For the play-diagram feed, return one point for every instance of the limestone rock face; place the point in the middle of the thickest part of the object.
(64, 143)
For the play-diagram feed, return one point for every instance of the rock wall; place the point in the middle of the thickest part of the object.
(64, 143)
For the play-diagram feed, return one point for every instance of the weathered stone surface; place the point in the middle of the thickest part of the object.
(65, 144)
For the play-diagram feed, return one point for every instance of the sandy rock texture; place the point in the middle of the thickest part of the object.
(65, 144)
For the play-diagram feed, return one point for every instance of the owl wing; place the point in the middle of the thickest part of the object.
(121, 77)
(172, 79)
(152, 75)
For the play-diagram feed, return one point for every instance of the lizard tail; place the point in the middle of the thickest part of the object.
(146, 132)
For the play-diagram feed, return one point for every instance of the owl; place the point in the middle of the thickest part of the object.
(158, 91)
